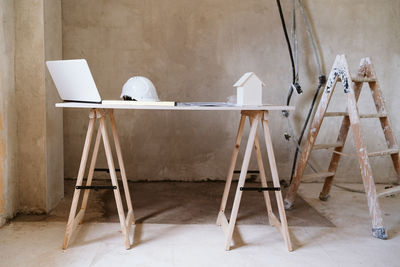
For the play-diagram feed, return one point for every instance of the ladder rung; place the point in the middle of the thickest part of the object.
(362, 116)
(389, 191)
(374, 115)
(384, 152)
(327, 146)
(317, 175)
(336, 114)
(363, 79)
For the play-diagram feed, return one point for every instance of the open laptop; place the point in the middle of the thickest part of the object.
(74, 81)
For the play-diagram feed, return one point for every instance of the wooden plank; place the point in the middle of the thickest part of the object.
(231, 167)
(275, 180)
(69, 230)
(242, 178)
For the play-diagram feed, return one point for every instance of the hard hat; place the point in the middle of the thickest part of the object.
(140, 89)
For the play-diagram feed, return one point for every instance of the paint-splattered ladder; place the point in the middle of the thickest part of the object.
(352, 88)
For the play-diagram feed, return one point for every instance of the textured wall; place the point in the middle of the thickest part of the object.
(54, 122)
(40, 160)
(29, 82)
(195, 51)
(8, 125)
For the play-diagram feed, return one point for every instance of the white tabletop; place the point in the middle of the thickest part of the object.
(108, 106)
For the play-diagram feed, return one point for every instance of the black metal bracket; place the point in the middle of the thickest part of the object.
(105, 170)
(96, 187)
(260, 189)
(248, 172)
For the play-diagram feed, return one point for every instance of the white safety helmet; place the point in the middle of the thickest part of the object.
(140, 89)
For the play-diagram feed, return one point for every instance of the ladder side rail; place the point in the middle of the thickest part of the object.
(384, 121)
(366, 172)
(313, 132)
(336, 155)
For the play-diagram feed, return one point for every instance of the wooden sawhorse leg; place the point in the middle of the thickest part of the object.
(73, 221)
(228, 226)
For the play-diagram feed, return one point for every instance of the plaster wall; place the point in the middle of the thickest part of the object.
(54, 121)
(40, 160)
(8, 125)
(196, 50)
(30, 88)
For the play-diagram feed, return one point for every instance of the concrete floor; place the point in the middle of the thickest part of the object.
(176, 228)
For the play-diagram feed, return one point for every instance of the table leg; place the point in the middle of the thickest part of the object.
(130, 216)
(242, 178)
(275, 179)
(91, 171)
(231, 169)
(72, 220)
(110, 162)
(263, 179)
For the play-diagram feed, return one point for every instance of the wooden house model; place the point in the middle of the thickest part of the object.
(249, 90)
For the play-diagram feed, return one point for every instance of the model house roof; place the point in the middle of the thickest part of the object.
(242, 81)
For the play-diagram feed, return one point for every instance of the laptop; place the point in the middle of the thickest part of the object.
(74, 81)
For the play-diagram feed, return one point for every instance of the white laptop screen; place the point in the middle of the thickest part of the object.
(73, 80)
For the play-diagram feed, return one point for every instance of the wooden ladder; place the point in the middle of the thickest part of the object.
(352, 88)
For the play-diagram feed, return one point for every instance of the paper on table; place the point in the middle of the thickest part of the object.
(138, 103)
(206, 104)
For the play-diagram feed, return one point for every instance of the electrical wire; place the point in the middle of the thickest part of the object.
(321, 82)
(311, 37)
(296, 143)
(295, 71)
(294, 41)
(290, 92)
(349, 189)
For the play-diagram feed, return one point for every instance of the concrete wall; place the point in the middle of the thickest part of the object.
(29, 82)
(54, 121)
(195, 51)
(40, 155)
(8, 125)
(31, 153)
